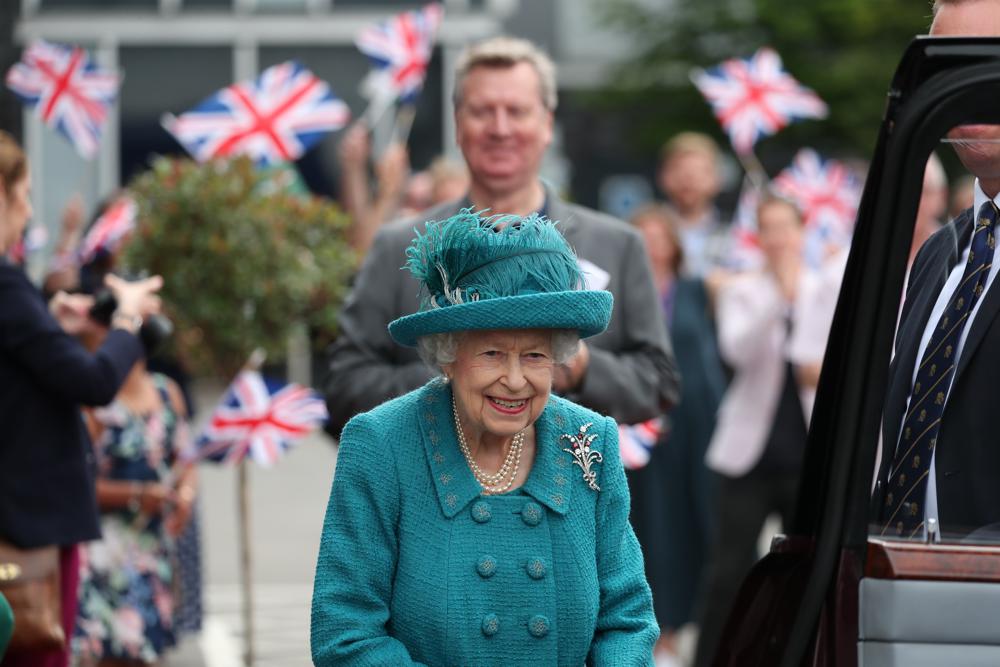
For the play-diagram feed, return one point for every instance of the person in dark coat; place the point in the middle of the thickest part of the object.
(46, 464)
(673, 494)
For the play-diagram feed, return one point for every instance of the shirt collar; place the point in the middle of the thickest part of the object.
(549, 481)
(979, 198)
(545, 210)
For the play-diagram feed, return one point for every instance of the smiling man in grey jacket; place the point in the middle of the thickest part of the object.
(505, 98)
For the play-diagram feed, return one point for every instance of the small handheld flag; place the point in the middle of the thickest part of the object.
(400, 50)
(828, 194)
(636, 442)
(273, 119)
(260, 418)
(755, 97)
(67, 91)
(109, 229)
(745, 253)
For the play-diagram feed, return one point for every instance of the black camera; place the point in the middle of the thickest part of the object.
(154, 331)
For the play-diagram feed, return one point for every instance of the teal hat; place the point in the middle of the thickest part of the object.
(498, 272)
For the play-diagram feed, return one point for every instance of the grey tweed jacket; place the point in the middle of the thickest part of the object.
(632, 375)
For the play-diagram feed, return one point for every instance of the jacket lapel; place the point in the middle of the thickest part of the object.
(559, 211)
(454, 483)
(930, 277)
(551, 478)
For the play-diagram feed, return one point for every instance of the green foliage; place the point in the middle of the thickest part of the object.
(845, 50)
(243, 258)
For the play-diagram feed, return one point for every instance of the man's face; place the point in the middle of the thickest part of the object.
(502, 126)
(690, 180)
(976, 149)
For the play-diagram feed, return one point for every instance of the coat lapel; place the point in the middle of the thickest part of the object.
(559, 211)
(454, 483)
(930, 277)
(551, 478)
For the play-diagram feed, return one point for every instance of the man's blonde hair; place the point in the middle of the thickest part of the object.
(507, 52)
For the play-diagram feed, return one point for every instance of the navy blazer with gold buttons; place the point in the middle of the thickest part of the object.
(416, 566)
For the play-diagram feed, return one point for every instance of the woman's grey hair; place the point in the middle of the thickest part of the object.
(507, 52)
(439, 349)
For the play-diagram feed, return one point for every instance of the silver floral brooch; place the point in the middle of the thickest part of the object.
(583, 455)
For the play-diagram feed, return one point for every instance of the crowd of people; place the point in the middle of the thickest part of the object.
(97, 476)
(748, 345)
(481, 512)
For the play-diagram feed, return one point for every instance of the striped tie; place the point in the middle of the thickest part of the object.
(903, 512)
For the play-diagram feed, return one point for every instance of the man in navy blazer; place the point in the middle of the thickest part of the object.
(962, 491)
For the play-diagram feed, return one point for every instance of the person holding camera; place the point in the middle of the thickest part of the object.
(47, 496)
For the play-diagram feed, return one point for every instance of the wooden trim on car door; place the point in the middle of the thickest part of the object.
(892, 559)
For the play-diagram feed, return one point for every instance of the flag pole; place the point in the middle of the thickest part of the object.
(254, 363)
(376, 108)
(246, 563)
(404, 122)
(754, 169)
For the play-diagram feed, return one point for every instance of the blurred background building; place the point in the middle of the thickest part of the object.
(174, 53)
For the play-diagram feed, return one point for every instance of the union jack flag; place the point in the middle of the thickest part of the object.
(636, 442)
(109, 229)
(260, 418)
(755, 97)
(67, 90)
(828, 194)
(273, 119)
(400, 50)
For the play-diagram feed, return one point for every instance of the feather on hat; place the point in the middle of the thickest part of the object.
(498, 272)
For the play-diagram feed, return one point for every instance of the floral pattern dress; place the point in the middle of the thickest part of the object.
(127, 578)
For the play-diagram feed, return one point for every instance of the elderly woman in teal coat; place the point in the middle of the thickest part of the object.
(480, 520)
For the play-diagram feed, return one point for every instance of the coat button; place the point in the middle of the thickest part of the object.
(481, 512)
(491, 625)
(535, 568)
(538, 626)
(486, 567)
(531, 513)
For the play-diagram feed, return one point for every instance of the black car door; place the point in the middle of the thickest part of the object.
(831, 592)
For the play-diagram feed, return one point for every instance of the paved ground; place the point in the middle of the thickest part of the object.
(287, 506)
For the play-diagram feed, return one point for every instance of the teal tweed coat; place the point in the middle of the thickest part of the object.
(416, 567)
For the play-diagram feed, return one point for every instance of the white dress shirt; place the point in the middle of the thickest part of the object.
(980, 198)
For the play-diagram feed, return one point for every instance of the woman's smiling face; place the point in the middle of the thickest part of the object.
(501, 379)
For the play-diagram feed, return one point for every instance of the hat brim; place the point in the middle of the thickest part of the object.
(585, 311)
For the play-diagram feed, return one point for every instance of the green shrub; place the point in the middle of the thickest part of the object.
(243, 256)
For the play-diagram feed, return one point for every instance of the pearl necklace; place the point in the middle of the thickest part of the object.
(492, 484)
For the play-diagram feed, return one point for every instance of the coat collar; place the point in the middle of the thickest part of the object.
(551, 478)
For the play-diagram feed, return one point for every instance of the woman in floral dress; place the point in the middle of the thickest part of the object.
(145, 489)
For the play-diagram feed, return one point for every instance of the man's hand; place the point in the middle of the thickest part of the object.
(391, 172)
(355, 147)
